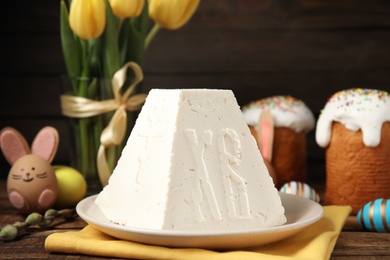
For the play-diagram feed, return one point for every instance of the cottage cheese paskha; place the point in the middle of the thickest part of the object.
(191, 163)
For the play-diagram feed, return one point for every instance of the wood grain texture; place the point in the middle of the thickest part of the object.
(353, 242)
(258, 48)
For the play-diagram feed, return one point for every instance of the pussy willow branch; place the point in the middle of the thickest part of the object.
(18, 229)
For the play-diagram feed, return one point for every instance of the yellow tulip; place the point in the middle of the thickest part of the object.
(172, 14)
(87, 18)
(127, 8)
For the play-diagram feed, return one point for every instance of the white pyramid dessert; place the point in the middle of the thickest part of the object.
(190, 164)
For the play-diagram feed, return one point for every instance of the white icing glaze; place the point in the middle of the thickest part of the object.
(364, 109)
(287, 111)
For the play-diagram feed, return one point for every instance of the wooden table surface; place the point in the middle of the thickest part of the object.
(353, 242)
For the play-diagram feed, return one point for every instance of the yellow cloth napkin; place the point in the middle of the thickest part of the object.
(315, 242)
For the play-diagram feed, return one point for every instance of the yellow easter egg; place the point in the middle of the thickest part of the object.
(71, 187)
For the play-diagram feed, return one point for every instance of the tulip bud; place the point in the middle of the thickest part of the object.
(127, 8)
(87, 18)
(172, 14)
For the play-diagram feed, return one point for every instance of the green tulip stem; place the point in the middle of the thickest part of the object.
(83, 122)
(119, 28)
(151, 35)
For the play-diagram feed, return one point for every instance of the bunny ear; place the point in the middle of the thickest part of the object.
(45, 143)
(265, 134)
(13, 144)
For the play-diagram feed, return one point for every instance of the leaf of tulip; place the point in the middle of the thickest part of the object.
(111, 50)
(70, 45)
(138, 29)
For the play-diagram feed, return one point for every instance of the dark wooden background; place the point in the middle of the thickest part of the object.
(305, 48)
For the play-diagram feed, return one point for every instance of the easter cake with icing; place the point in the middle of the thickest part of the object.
(354, 127)
(292, 121)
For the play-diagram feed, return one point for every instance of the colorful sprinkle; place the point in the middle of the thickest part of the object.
(358, 97)
(283, 103)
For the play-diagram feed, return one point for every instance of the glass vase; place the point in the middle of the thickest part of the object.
(85, 132)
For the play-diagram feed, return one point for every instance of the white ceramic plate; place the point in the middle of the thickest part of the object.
(300, 213)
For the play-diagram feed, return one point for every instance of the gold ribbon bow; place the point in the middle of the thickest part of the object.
(113, 134)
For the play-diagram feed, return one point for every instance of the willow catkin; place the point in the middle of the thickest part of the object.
(13, 231)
